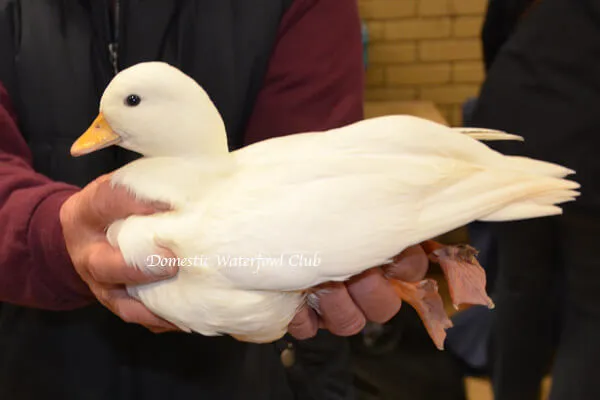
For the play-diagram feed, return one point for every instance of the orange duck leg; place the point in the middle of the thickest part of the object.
(466, 283)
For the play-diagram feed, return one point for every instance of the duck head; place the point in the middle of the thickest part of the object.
(155, 110)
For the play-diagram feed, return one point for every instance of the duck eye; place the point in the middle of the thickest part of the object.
(133, 100)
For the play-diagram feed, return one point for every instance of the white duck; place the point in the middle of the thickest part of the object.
(346, 200)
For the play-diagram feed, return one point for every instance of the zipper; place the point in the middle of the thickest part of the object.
(113, 46)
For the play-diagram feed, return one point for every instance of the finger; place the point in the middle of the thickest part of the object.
(105, 177)
(410, 266)
(159, 330)
(106, 265)
(154, 264)
(374, 295)
(108, 203)
(304, 325)
(338, 311)
(132, 311)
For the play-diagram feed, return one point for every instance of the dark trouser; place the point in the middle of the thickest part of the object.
(548, 305)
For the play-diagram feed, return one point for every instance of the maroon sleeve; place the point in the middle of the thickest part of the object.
(35, 268)
(315, 76)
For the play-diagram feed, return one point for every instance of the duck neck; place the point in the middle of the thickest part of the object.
(189, 141)
(194, 148)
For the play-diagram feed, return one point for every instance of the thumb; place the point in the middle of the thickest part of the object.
(107, 265)
(108, 203)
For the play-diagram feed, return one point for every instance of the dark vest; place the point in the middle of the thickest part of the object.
(54, 61)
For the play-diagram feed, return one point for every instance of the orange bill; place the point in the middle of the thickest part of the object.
(98, 136)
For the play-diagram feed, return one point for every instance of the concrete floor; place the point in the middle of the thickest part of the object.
(480, 389)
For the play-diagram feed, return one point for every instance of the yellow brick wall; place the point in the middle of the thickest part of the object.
(426, 50)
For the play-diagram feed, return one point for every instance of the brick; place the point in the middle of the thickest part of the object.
(387, 93)
(467, 26)
(468, 72)
(457, 115)
(447, 50)
(387, 9)
(463, 7)
(390, 53)
(448, 94)
(375, 76)
(452, 112)
(446, 111)
(418, 28)
(430, 8)
(376, 30)
(418, 74)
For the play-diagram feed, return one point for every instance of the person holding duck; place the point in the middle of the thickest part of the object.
(72, 254)
(68, 328)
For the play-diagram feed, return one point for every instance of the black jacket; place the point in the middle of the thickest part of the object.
(90, 353)
(501, 19)
(545, 85)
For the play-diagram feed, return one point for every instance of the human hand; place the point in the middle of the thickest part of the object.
(344, 308)
(84, 217)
